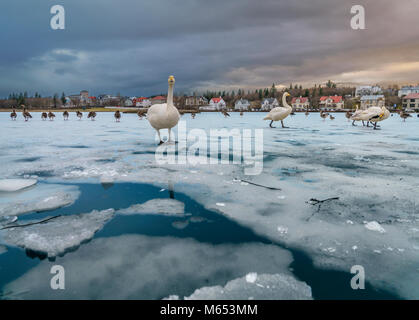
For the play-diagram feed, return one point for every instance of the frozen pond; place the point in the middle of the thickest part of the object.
(126, 227)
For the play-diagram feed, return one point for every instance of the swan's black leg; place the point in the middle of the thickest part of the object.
(271, 124)
(363, 123)
(282, 122)
(353, 123)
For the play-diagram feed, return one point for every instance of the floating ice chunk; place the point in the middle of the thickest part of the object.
(282, 230)
(50, 203)
(269, 287)
(3, 249)
(58, 235)
(11, 185)
(220, 204)
(375, 226)
(180, 224)
(168, 207)
(251, 277)
(172, 297)
(197, 219)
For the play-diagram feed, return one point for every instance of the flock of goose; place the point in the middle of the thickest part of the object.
(166, 115)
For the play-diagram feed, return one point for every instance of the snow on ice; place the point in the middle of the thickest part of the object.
(11, 185)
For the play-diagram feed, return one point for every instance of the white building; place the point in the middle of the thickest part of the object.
(242, 104)
(217, 104)
(193, 101)
(129, 102)
(411, 101)
(372, 101)
(142, 102)
(368, 90)
(331, 102)
(269, 103)
(404, 91)
(301, 103)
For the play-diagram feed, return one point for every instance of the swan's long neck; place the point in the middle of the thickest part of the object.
(170, 96)
(284, 102)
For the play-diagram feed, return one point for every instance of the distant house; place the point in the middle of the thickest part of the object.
(301, 103)
(372, 101)
(158, 100)
(217, 103)
(241, 105)
(332, 102)
(404, 91)
(129, 102)
(142, 102)
(411, 101)
(193, 101)
(269, 103)
(368, 90)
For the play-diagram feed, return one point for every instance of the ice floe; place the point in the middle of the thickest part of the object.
(163, 206)
(57, 235)
(374, 226)
(375, 174)
(3, 249)
(11, 185)
(42, 198)
(261, 287)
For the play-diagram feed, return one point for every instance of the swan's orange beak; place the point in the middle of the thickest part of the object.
(171, 79)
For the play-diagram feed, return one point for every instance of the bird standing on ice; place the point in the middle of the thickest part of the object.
(165, 115)
(280, 113)
(377, 114)
(13, 115)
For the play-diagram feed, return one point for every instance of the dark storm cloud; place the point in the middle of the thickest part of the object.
(132, 46)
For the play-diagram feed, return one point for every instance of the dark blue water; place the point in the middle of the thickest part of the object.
(214, 229)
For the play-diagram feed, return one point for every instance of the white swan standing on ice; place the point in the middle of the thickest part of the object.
(280, 113)
(377, 114)
(356, 116)
(164, 116)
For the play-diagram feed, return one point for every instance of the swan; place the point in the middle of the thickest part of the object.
(280, 113)
(165, 115)
(378, 114)
(324, 115)
(357, 116)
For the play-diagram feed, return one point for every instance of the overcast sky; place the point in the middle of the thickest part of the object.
(131, 46)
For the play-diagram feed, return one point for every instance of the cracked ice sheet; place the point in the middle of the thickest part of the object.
(374, 183)
(375, 174)
(256, 287)
(169, 207)
(57, 236)
(42, 197)
(142, 267)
